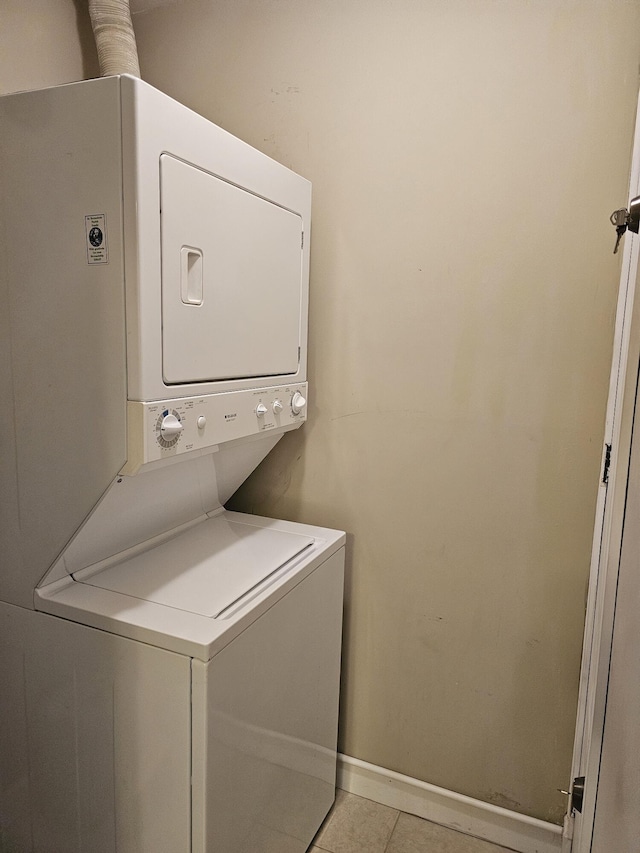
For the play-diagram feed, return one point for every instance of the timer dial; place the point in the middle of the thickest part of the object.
(169, 429)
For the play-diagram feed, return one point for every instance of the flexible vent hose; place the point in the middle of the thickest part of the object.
(115, 39)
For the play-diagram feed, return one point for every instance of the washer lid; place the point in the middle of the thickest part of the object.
(206, 568)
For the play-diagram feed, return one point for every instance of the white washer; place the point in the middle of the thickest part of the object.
(170, 670)
(237, 710)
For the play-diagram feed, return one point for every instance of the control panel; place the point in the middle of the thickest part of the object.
(168, 428)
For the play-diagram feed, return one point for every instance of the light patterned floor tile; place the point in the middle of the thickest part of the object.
(356, 825)
(268, 840)
(414, 835)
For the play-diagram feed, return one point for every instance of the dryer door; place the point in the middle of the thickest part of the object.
(231, 279)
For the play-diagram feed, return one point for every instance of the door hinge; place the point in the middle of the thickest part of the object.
(607, 463)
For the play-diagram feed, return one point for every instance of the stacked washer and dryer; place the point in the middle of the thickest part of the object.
(169, 669)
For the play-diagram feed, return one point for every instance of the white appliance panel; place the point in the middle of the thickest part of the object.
(204, 569)
(95, 740)
(212, 420)
(231, 279)
(62, 322)
(265, 717)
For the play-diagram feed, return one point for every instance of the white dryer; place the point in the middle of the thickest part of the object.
(170, 669)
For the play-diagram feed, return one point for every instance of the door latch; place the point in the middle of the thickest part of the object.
(576, 794)
(623, 219)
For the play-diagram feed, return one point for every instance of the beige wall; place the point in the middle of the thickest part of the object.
(44, 43)
(465, 156)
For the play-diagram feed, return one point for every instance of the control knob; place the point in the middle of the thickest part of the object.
(277, 407)
(298, 403)
(170, 428)
(261, 410)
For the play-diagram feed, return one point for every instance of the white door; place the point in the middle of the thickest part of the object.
(598, 748)
(617, 813)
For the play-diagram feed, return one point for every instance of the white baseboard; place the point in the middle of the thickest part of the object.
(473, 817)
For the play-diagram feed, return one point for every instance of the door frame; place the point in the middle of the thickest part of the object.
(607, 539)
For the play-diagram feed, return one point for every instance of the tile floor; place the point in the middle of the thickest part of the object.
(355, 825)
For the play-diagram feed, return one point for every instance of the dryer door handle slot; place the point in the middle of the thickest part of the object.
(191, 275)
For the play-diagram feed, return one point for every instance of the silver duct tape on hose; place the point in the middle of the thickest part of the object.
(115, 39)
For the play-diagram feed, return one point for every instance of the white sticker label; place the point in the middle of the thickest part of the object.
(96, 230)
